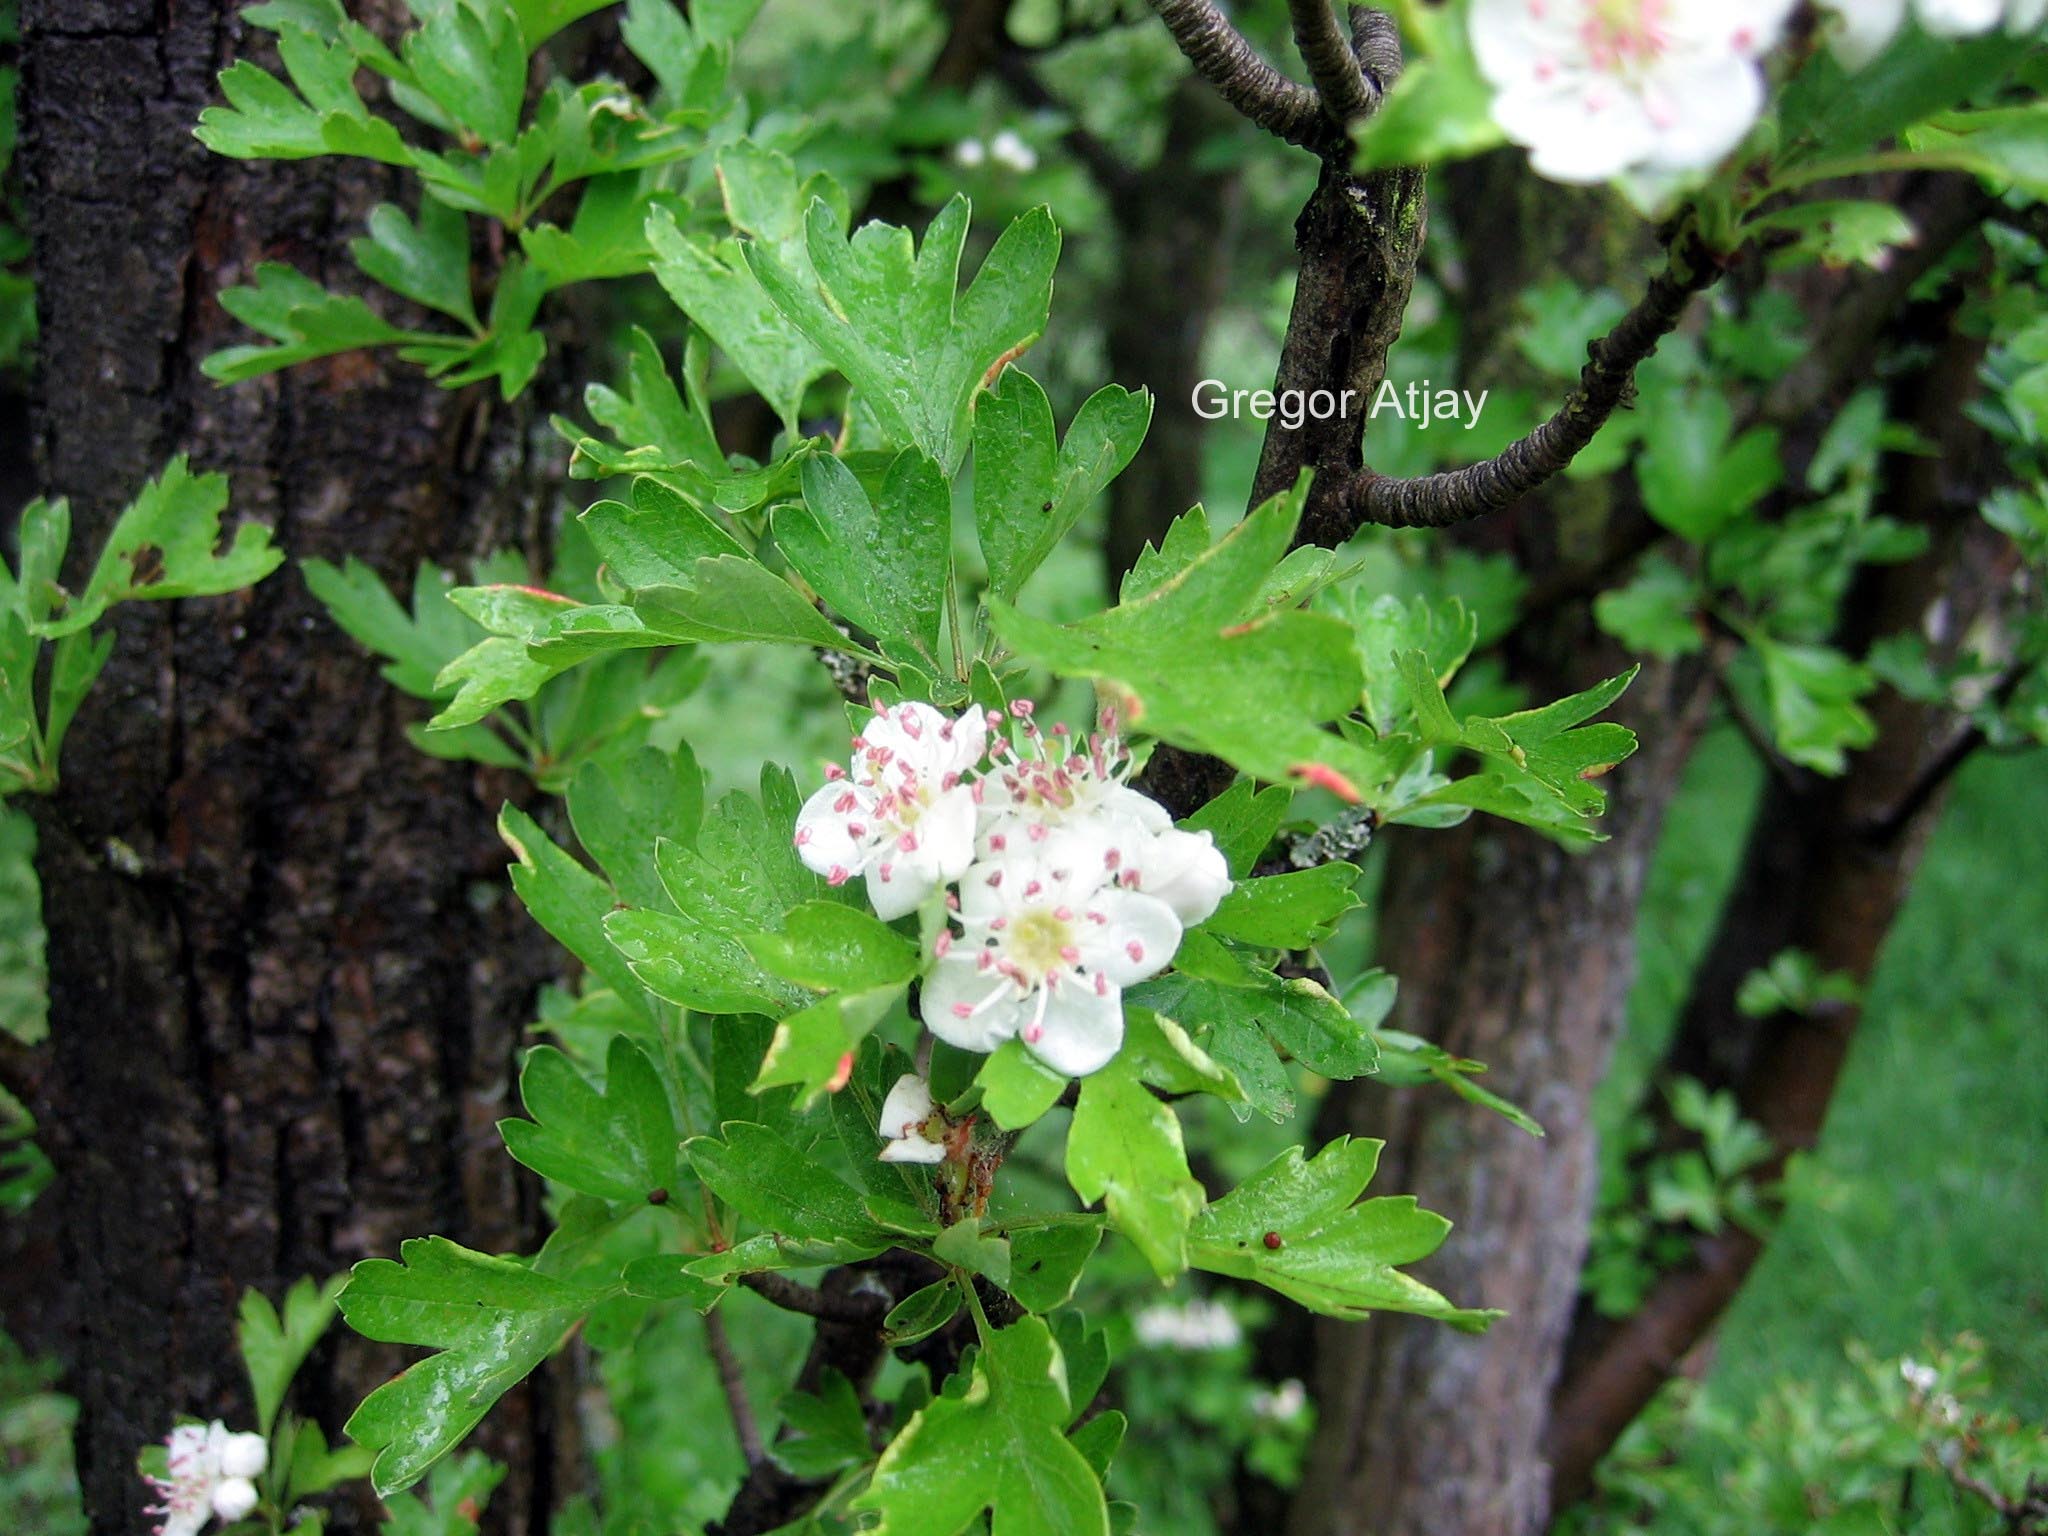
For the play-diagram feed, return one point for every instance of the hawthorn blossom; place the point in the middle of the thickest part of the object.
(1057, 783)
(1047, 943)
(907, 1123)
(1282, 1404)
(1595, 88)
(210, 1472)
(1867, 26)
(904, 815)
(1198, 1326)
(1009, 149)
(971, 153)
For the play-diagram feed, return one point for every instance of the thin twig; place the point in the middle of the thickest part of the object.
(794, 1296)
(1223, 57)
(733, 1380)
(1342, 501)
(1326, 50)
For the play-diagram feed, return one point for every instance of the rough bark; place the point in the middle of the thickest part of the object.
(1826, 869)
(1514, 951)
(286, 984)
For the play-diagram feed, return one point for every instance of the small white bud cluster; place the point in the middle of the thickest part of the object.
(210, 1473)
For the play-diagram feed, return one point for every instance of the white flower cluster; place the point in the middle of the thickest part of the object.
(1067, 884)
(1656, 88)
(210, 1471)
(1007, 149)
(1197, 1327)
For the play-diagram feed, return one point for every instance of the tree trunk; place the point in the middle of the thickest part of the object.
(1516, 952)
(286, 983)
(1827, 867)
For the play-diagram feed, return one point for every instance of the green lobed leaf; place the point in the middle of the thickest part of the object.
(492, 1320)
(274, 1347)
(885, 563)
(996, 1444)
(1298, 1227)
(1287, 911)
(166, 544)
(1029, 488)
(891, 318)
(791, 1194)
(1190, 661)
(831, 946)
(617, 1143)
(1124, 1148)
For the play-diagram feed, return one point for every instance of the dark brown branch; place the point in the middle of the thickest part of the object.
(794, 1296)
(744, 1425)
(1223, 57)
(1326, 50)
(1343, 502)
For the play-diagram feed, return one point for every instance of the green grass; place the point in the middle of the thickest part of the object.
(1933, 1214)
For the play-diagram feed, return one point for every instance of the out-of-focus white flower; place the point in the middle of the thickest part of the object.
(1046, 946)
(970, 153)
(907, 1123)
(1058, 783)
(1196, 1326)
(208, 1472)
(904, 816)
(1595, 88)
(1282, 1404)
(1867, 26)
(1008, 148)
(1921, 1378)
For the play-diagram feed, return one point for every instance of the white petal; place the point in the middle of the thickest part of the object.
(1864, 28)
(234, 1499)
(1082, 1030)
(244, 1455)
(1138, 940)
(1509, 36)
(1579, 128)
(913, 1149)
(899, 883)
(955, 982)
(822, 841)
(1122, 800)
(932, 744)
(1707, 105)
(1959, 18)
(1187, 871)
(2025, 15)
(945, 832)
(908, 1105)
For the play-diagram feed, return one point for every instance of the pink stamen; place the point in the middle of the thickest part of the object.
(838, 876)
(1135, 950)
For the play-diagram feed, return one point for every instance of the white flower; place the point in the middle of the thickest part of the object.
(208, 1472)
(1283, 1404)
(1199, 1325)
(1868, 25)
(1921, 1378)
(1008, 148)
(1059, 784)
(1594, 88)
(906, 1121)
(1047, 944)
(970, 153)
(904, 817)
